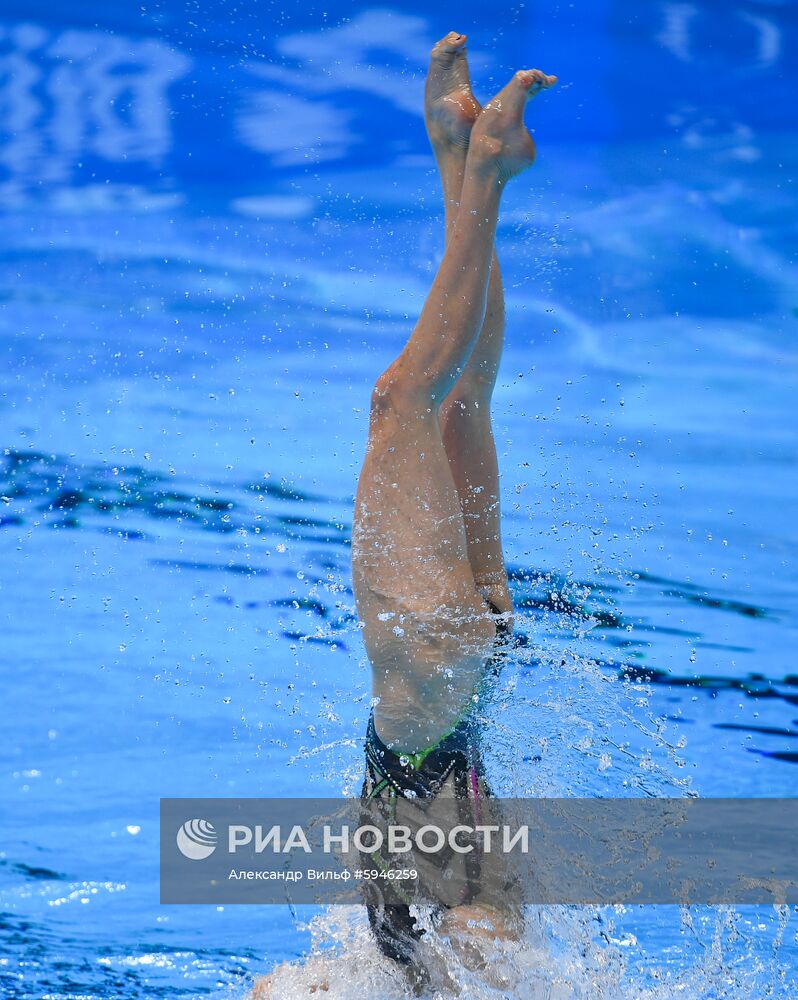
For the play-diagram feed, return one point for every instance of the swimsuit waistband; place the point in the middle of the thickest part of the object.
(422, 773)
(456, 739)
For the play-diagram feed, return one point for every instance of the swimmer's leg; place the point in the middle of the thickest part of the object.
(409, 540)
(465, 417)
(409, 543)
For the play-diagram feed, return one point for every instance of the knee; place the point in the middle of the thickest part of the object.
(383, 391)
(473, 392)
(395, 392)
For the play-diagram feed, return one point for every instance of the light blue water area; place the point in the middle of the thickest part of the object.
(218, 227)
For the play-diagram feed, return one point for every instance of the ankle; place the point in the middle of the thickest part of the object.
(448, 150)
(485, 177)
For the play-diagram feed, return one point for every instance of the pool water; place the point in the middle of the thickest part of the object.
(219, 224)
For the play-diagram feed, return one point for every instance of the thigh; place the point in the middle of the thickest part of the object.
(409, 539)
(426, 628)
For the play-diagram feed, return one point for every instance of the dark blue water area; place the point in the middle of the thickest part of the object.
(219, 222)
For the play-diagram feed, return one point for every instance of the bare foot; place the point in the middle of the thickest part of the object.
(450, 108)
(499, 138)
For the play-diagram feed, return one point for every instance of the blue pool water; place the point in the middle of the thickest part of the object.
(219, 222)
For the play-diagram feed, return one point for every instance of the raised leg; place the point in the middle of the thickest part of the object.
(426, 629)
(465, 415)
